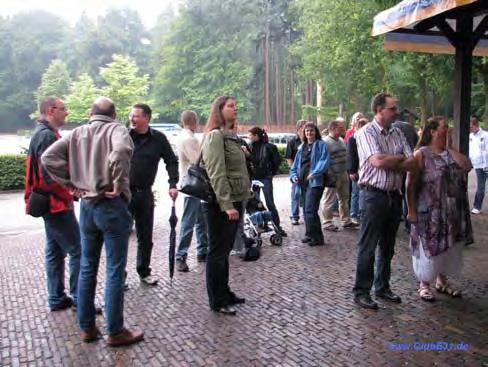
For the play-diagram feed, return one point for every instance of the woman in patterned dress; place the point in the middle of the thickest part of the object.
(431, 193)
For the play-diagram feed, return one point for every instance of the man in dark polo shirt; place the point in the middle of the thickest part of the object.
(290, 153)
(149, 147)
(384, 156)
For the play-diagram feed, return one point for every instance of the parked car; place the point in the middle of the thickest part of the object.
(171, 131)
(280, 139)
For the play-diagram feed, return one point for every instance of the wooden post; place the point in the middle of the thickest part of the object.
(462, 83)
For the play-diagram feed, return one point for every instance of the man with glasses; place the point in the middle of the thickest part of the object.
(61, 226)
(384, 155)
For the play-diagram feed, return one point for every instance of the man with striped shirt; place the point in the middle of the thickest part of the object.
(384, 155)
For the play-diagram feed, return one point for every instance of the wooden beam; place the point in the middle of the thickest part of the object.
(480, 31)
(453, 37)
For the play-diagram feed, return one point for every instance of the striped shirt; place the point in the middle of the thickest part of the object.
(374, 139)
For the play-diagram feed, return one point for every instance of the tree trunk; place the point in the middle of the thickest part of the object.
(284, 96)
(320, 94)
(485, 89)
(292, 96)
(267, 112)
(279, 118)
(423, 102)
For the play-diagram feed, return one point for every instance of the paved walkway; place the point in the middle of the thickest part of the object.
(299, 310)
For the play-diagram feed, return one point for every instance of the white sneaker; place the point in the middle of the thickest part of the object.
(475, 211)
(149, 280)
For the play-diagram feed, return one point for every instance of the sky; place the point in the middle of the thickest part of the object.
(71, 10)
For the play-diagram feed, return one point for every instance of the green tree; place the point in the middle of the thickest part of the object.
(29, 42)
(124, 86)
(206, 53)
(55, 81)
(83, 93)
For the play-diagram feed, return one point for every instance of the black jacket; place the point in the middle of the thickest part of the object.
(352, 158)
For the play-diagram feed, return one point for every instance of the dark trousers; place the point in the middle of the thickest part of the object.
(379, 224)
(311, 203)
(142, 210)
(481, 176)
(221, 235)
(268, 196)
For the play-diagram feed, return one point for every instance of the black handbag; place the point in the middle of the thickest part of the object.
(197, 184)
(38, 199)
(38, 203)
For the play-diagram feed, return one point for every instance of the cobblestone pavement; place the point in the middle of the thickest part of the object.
(299, 310)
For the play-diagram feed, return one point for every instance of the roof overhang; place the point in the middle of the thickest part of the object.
(421, 25)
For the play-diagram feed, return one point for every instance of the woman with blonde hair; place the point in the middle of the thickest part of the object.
(225, 163)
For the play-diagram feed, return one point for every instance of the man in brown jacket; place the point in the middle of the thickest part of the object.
(94, 160)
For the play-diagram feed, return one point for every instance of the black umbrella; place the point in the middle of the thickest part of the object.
(173, 219)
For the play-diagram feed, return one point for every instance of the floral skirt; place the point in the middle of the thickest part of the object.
(448, 263)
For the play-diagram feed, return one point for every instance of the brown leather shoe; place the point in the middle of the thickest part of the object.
(91, 335)
(125, 337)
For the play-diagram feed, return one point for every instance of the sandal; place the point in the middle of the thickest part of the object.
(331, 227)
(426, 294)
(446, 289)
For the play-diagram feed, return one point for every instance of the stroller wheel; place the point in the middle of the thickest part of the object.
(276, 240)
(259, 242)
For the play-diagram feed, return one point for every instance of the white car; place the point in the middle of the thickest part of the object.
(171, 131)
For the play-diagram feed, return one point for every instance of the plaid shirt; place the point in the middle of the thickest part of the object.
(374, 139)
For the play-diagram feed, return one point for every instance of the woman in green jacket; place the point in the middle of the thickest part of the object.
(225, 163)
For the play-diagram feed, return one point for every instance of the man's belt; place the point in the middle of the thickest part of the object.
(140, 189)
(386, 192)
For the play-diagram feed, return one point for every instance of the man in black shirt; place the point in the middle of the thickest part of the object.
(149, 147)
(290, 153)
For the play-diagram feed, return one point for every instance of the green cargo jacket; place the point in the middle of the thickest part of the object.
(226, 167)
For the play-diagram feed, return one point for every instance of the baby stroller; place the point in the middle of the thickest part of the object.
(256, 218)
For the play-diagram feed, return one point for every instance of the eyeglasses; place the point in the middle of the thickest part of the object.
(395, 108)
(59, 108)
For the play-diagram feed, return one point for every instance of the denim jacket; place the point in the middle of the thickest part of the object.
(319, 163)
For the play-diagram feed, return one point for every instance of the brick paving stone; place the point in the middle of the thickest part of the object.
(299, 309)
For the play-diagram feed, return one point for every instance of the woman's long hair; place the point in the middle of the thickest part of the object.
(309, 124)
(215, 119)
(426, 136)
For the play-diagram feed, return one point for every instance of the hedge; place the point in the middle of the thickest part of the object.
(12, 170)
(284, 169)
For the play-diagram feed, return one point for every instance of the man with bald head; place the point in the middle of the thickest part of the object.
(94, 161)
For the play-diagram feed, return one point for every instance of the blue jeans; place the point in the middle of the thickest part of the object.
(62, 237)
(481, 176)
(268, 196)
(260, 218)
(193, 216)
(379, 224)
(295, 201)
(355, 214)
(311, 203)
(107, 221)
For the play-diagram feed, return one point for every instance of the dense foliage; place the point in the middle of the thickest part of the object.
(12, 170)
(282, 59)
